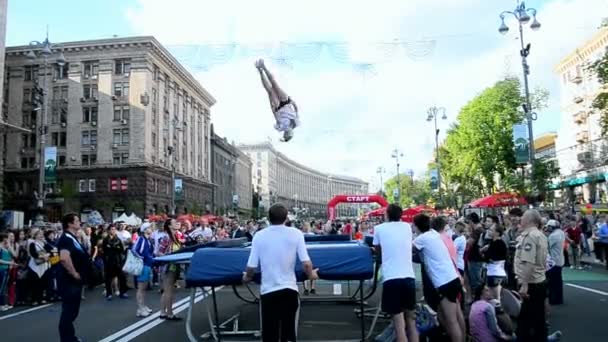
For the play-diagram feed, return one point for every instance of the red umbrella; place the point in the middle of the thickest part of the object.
(408, 214)
(504, 199)
(376, 212)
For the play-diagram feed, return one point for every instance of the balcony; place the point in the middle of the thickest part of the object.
(580, 117)
(585, 157)
(582, 137)
(578, 99)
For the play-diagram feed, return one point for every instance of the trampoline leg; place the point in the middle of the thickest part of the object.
(217, 318)
(191, 337)
(361, 306)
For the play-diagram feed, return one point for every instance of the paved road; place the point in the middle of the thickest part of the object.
(581, 318)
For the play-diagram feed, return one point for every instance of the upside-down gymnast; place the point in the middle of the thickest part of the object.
(283, 108)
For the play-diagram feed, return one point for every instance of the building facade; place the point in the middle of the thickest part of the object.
(544, 146)
(3, 118)
(582, 152)
(244, 185)
(223, 165)
(122, 113)
(276, 178)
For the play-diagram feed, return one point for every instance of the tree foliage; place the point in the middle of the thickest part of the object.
(600, 68)
(412, 191)
(480, 146)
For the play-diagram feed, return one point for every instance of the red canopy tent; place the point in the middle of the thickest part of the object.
(408, 214)
(503, 199)
(375, 213)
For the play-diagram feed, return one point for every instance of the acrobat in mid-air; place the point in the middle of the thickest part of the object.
(283, 108)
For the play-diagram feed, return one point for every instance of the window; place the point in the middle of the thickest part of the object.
(91, 185)
(90, 69)
(55, 139)
(27, 95)
(64, 92)
(153, 139)
(121, 89)
(24, 139)
(62, 139)
(61, 160)
(24, 163)
(85, 138)
(93, 135)
(154, 96)
(33, 140)
(83, 185)
(60, 71)
(89, 91)
(88, 159)
(89, 114)
(121, 113)
(125, 136)
(165, 103)
(122, 67)
(30, 72)
(55, 115)
(120, 136)
(120, 158)
(156, 73)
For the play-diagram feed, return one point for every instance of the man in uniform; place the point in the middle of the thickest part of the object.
(529, 264)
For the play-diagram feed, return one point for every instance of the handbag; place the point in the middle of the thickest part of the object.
(133, 265)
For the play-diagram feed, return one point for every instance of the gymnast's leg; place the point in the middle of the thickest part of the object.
(280, 93)
(272, 96)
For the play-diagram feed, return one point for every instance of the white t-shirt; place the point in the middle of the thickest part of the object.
(285, 117)
(274, 249)
(207, 233)
(123, 235)
(436, 258)
(395, 241)
(461, 244)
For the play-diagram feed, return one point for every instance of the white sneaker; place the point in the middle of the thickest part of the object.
(142, 313)
(4, 308)
(146, 308)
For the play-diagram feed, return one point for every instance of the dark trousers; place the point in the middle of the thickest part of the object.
(279, 315)
(531, 323)
(555, 285)
(70, 307)
(111, 272)
(37, 286)
(601, 251)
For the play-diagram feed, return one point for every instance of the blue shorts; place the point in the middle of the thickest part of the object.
(145, 276)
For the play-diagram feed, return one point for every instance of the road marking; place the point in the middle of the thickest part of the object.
(144, 321)
(25, 311)
(588, 289)
(158, 321)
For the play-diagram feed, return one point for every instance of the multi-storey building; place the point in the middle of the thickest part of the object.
(276, 178)
(544, 146)
(3, 118)
(582, 152)
(223, 165)
(244, 187)
(122, 113)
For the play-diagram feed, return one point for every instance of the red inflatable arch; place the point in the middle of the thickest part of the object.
(331, 206)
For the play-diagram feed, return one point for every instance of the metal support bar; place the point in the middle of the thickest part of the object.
(191, 337)
(361, 306)
(229, 327)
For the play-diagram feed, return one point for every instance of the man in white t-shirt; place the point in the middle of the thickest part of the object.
(443, 274)
(393, 241)
(283, 108)
(274, 251)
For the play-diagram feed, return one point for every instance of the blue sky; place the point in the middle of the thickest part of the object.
(351, 120)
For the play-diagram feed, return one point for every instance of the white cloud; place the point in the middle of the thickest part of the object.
(350, 123)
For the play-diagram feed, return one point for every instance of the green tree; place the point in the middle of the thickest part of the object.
(412, 191)
(600, 68)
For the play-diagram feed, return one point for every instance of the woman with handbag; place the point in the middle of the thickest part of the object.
(113, 256)
(38, 265)
(143, 250)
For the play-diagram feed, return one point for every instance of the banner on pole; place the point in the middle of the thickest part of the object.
(434, 175)
(521, 143)
(179, 190)
(50, 164)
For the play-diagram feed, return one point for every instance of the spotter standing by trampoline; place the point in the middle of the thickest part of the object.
(284, 109)
(274, 250)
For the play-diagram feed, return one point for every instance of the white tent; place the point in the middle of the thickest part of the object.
(122, 218)
(134, 220)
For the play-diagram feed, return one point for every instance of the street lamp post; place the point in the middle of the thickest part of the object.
(522, 14)
(44, 49)
(173, 126)
(432, 114)
(380, 171)
(396, 154)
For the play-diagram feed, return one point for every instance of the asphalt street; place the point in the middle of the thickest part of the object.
(581, 318)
